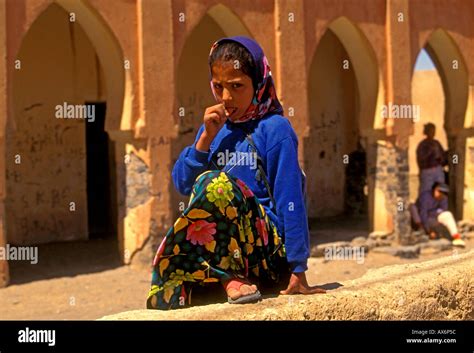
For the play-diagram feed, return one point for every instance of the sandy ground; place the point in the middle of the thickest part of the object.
(85, 281)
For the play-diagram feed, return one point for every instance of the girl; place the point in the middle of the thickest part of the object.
(245, 227)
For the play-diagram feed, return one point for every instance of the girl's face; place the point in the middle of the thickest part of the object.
(233, 88)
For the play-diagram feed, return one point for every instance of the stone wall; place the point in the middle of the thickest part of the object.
(46, 156)
(333, 129)
(439, 289)
(389, 173)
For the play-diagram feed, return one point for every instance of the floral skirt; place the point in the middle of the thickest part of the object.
(224, 233)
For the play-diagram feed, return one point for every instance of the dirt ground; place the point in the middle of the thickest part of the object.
(85, 281)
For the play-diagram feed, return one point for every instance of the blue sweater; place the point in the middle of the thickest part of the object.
(277, 145)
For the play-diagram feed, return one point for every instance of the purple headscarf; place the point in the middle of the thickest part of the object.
(265, 99)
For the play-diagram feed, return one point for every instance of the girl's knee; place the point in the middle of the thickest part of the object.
(211, 174)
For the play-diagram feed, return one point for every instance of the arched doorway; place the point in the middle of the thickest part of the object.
(428, 96)
(193, 91)
(67, 93)
(443, 98)
(343, 91)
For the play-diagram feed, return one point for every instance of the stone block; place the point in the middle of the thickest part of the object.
(397, 292)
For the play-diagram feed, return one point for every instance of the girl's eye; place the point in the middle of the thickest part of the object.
(234, 85)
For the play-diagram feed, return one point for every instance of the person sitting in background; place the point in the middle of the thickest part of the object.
(431, 159)
(433, 215)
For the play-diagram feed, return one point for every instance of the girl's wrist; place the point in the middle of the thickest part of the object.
(204, 142)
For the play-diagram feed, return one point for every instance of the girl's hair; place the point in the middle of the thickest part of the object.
(231, 52)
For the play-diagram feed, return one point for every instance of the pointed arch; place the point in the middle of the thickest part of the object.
(368, 77)
(228, 21)
(452, 68)
(192, 71)
(118, 84)
(70, 58)
(457, 120)
(117, 80)
(345, 92)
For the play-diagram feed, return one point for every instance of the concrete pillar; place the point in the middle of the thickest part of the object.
(143, 155)
(380, 219)
(398, 67)
(399, 93)
(133, 199)
(118, 140)
(388, 180)
(135, 202)
(461, 169)
(159, 90)
(468, 190)
(4, 272)
(290, 49)
(468, 168)
(160, 117)
(4, 275)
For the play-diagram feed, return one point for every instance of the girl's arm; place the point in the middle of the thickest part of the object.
(284, 168)
(285, 175)
(194, 160)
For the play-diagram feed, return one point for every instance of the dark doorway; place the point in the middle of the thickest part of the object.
(355, 195)
(99, 200)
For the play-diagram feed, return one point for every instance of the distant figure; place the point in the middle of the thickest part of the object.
(431, 159)
(431, 213)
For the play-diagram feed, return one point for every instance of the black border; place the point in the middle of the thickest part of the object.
(239, 336)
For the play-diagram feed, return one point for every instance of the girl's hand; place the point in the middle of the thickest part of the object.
(299, 285)
(214, 119)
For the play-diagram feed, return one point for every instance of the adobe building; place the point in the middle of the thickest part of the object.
(142, 67)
